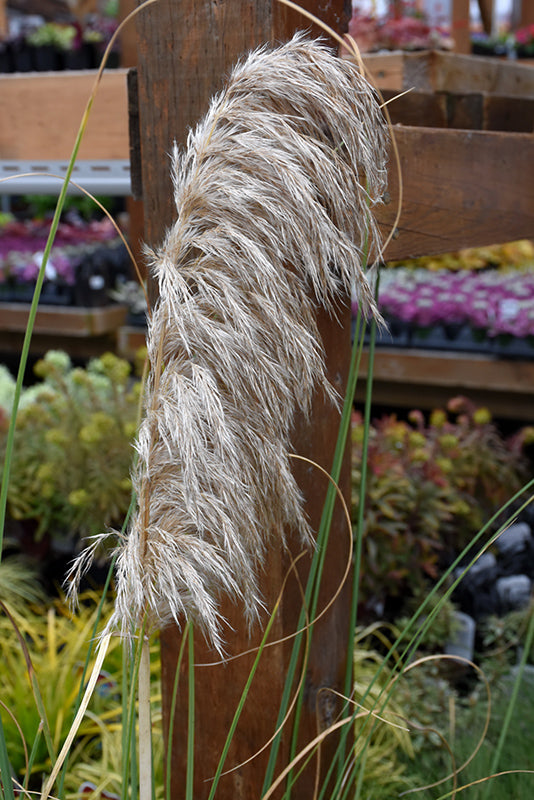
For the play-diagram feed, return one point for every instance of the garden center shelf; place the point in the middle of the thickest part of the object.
(427, 379)
(83, 332)
(102, 177)
(466, 147)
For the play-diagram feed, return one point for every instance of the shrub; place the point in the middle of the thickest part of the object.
(72, 455)
(430, 487)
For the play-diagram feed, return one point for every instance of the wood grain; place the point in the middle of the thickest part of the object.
(67, 322)
(461, 189)
(435, 71)
(428, 379)
(42, 112)
(472, 111)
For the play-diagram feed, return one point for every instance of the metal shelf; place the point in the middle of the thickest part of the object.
(103, 177)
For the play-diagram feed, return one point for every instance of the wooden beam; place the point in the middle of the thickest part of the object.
(61, 320)
(460, 27)
(185, 49)
(461, 189)
(3, 19)
(527, 13)
(41, 114)
(486, 15)
(473, 111)
(428, 379)
(435, 71)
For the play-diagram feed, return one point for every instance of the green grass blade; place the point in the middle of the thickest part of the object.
(513, 699)
(172, 714)
(6, 789)
(315, 568)
(190, 718)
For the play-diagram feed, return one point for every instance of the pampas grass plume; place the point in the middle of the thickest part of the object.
(273, 193)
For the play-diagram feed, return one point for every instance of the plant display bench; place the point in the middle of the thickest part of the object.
(82, 332)
(44, 112)
(426, 379)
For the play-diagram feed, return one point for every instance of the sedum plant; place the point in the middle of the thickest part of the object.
(71, 462)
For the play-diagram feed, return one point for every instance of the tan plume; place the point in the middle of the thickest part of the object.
(274, 193)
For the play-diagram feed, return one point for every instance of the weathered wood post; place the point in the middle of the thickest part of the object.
(185, 49)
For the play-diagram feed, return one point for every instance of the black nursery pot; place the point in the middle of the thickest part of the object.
(22, 57)
(6, 58)
(82, 57)
(93, 281)
(46, 58)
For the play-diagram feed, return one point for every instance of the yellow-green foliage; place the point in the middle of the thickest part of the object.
(72, 456)
(57, 642)
(98, 760)
(379, 739)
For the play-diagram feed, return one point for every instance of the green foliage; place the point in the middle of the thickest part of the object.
(18, 584)
(510, 255)
(378, 741)
(502, 639)
(57, 641)
(463, 730)
(53, 34)
(430, 487)
(72, 456)
(41, 206)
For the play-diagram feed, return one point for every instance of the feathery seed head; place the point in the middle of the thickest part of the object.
(273, 195)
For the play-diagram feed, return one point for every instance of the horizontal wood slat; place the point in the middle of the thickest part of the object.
(41, 114)
(465, 111)
(428, 379)
(83, 322)
(434, 71)
(461, 189)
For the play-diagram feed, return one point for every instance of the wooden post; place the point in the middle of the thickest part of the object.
(185, 50)
(487, 15)
(3, 18)
(460, 26)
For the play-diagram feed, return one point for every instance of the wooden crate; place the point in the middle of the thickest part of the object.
(464, 136)
(436, 71)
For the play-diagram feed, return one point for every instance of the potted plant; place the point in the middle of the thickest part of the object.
(524, 38)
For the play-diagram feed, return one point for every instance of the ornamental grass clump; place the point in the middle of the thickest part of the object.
(273, 195)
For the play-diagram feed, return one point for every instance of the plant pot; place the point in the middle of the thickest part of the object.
(46, 58)
(93, 282)
(6, 59)
(57, 294)
(79, 58)
(513, 347)
(22, 57)
(136, 320)
(22, 293)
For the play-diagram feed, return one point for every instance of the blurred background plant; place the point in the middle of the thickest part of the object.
(431, 485)
(73, 449)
